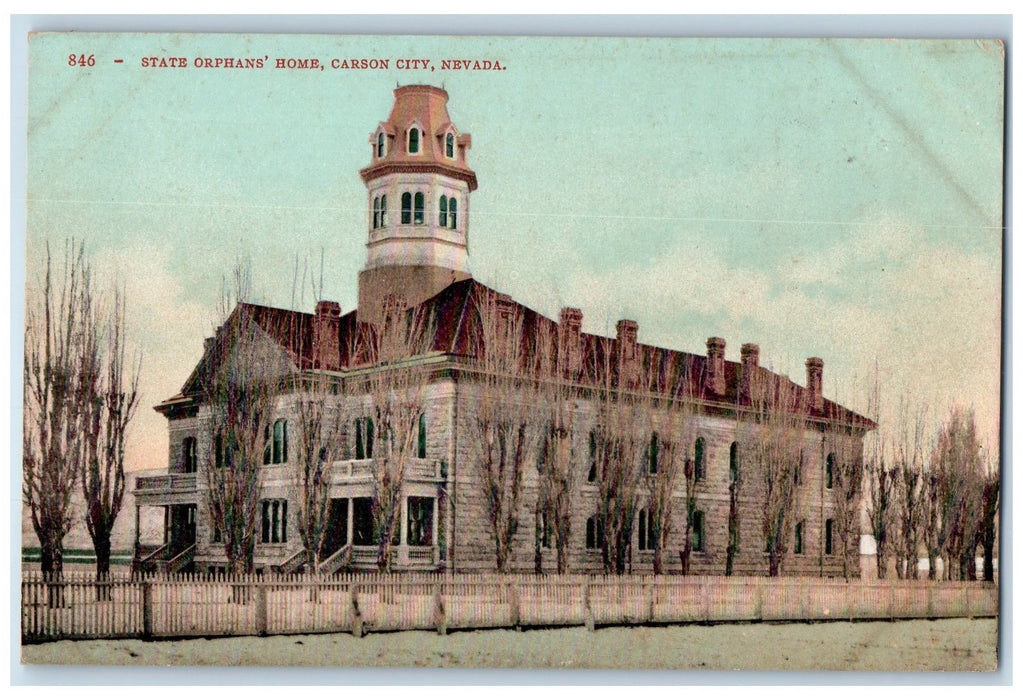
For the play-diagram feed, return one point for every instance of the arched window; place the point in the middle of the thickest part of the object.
(594, 532)
(698, 538)
(700, 457)
(420, 203)
(421, 446)
(413, 140)
(449, 145)
(592, 476)
(189, 456)
(652, 454)
(829, 470)
(829, 526)
(380, 145)
(798, 471)
(443, 219)
(383, 210)
(406, 207)
(453, 213)
(733, 463)
(376, 212)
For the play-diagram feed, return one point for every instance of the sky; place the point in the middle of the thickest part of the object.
(830, 198)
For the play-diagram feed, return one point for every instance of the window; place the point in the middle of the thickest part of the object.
(798, 469)
(798, 548)
(452, 213)
(223, 452)
(189, 457)
(419, 532)
(417, 217)
(380, 211)
(652, 455)
(275, 522)
(449, 145)
(698, 538)
(362, 522)
(829, 526)
(733, 463)
(413, 140)
(406, 207)
(421, 446)
(443, 218)
(647, 536)
(363, 438)
(829, 471)
(276, 448)
(592, 476)
(594, 533)
(544, 529)
(381, 140)
(701, 458)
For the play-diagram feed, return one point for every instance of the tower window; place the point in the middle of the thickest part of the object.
(190, 457)
(453, 213)
(376, 212)
(420, 203)
(449, 145)
(443, 219)
(383, 210)
(413, 140)
(380, 145)
(406, 208)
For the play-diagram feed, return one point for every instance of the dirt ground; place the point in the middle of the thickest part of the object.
(919, 645)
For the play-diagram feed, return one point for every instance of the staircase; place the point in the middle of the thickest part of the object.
(336, 561)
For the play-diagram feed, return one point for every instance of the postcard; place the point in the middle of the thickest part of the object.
(516, 352)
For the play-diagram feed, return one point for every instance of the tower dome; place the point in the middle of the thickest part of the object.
(418, 186)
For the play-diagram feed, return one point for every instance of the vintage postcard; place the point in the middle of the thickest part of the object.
(512, 352)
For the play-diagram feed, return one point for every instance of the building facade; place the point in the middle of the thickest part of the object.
(418, 203)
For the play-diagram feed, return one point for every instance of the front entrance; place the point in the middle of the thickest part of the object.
(335, 533)
(180, 534)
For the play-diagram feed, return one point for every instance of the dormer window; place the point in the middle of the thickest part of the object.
(449, 145)
(381, 142)
(413, 140)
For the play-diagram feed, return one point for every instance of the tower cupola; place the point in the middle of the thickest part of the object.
(418, 186)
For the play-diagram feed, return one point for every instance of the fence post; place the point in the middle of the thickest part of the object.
(513, 605)
(261, 609)
(147, 609)
(969, 608)
(649, 594)
(439, 613)
(357, 630)
(587, 609)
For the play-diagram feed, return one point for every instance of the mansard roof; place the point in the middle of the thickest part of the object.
(457, 331)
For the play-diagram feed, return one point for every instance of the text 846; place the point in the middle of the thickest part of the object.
(81, 60)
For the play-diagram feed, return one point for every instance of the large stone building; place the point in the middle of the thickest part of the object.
(418, 204)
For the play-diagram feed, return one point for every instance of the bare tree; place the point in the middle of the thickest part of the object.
(559, 395)
(910, 493)
(110, 392)
(848, 474)
(671, 432)
(395, 386)
(244, 373)
(773, 432)
(58, 323)
(319, 422)
(508, 424)
(987, 528)
(881, 478)
(957, 465)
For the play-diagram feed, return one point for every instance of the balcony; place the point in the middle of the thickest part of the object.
(362, 469)
(163, 483)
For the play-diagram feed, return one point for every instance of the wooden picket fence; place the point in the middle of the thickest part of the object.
(77, 606)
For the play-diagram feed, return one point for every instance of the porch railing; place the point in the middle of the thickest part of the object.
(166, 482)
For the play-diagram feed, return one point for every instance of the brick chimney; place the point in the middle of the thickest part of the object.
(327, 336)
(815, 383)
(570, 324)
(715, 375)
(628, 353)
(750, 353)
